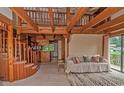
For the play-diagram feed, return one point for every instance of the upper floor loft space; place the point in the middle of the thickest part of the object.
(60, 16)
(67, 20)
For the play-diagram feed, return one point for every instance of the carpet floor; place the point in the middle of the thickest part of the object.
(95, 79)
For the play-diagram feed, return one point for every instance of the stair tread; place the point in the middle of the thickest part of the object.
(29, 65)
(35, 66)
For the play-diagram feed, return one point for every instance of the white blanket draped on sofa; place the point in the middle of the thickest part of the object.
(86, 67)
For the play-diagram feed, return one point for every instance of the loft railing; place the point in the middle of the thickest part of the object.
(42, 18)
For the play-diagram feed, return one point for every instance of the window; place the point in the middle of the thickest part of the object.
(117, 52)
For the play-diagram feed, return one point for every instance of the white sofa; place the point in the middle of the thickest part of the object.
(86, 66)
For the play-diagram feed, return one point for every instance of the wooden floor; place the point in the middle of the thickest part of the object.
(47, 75)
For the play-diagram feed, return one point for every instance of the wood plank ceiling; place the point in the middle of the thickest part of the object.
(80, 20)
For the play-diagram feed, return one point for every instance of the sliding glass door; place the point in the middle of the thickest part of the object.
(122, 53)
(115, 52)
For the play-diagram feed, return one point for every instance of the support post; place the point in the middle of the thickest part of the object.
(10, 53)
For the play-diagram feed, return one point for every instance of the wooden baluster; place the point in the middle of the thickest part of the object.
(24, 51)
(19, 51)
(31, 54)
(15, 48)
(3, 41)
(28, 51)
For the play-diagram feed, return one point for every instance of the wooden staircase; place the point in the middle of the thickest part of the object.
(24, 70)
(3, 66)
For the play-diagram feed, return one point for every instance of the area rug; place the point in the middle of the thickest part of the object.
(94, 79)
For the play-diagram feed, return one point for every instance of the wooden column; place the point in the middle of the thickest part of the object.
(67, 47)
(63, 48)
(103, 42)
(10, 52)
(66, 54)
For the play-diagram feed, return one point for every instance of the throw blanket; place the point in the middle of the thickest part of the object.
(94, 79)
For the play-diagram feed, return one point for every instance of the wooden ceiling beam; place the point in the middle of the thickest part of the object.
(58, 30)
(100, 17)
(45, 31)
(110, 24)
(23, 15)
(112, 29)
(51, 16)
(79, 13)
(121, 32)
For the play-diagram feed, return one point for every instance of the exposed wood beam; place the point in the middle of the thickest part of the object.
(4, 19)
(45, 30)
(110, 24)
(79, 13)
(58, 30)
(51, 16)
(23, 15)
(111, 29)
(100, 17)
(121, 32)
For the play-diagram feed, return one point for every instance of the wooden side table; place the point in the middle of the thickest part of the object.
(61, 64)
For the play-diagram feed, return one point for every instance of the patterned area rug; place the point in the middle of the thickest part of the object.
(94, 79)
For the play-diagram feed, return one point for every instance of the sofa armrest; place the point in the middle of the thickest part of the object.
(69, 65)
(105, 60)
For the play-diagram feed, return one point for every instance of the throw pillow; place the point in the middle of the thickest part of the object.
(87, 59)
(76, 60)
(95, 59)
(101, 59)
(81, 59)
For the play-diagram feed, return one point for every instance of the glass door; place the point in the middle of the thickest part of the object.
(115, 52)
(122, 68)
